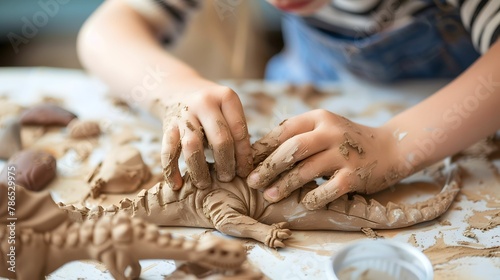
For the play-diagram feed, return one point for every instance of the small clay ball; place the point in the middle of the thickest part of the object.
(83, 129)
(32, 169)
(47, 115)
(10, 137)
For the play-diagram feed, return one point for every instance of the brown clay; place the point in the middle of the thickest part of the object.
(10, 137)
(33, 169)
(47, 115)
(46, 239)
(121, 171)
(235, 209)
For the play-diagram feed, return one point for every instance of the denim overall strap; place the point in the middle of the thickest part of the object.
(434, 44)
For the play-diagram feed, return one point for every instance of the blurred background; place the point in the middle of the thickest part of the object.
(225, 39)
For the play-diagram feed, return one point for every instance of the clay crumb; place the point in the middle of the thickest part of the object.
(468, 233)
(445, 223)
(370, 233)
(412, 240)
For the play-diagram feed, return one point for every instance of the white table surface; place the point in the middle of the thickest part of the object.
(308, 252)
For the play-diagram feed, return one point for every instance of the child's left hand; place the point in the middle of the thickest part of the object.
(319, 143)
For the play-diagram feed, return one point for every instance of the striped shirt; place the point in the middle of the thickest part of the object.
(353, 18)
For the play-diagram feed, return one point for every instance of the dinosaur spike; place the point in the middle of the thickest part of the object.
(339, 205)
(397, 217)
(95, 213)
(391, 206)
(155, 196)
(111, 210)
(141, 204)
(377, 212)
(189, 245)
(357, 207)
(428, 213)
(413, 215)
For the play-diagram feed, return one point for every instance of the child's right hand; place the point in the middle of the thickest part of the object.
(204, 111)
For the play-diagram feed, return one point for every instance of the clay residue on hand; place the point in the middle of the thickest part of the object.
(198, 170)
(350, 142)
(364, 174)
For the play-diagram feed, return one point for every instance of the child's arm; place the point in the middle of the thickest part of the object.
(366, 159)
(120, 45)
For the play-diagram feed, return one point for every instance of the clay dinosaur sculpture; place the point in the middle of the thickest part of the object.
(235, 209)
(43, 238)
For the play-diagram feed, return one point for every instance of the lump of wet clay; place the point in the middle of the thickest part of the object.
(47, 115)
(78, 129)
(10, 137)
(33, 169)
(121, 171)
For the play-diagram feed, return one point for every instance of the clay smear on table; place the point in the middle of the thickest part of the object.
(47, 239)
(121, 171)
(441, 253)
(235, 209)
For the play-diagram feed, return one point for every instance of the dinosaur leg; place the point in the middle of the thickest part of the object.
(228, 214)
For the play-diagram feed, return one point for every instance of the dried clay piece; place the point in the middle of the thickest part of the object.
(47, 115)
(33, 169)
(121, 171)
(78, 129)
(235, 209)
(46, 239)
(10, 138)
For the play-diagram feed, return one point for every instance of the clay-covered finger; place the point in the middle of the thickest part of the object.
(263, 147)
(304, 172)
(332, 189)
(221, 142)
(284, 157)
(193, 151)
(235, 118)
(170, 153)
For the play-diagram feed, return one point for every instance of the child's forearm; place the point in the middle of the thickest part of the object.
(120, 47)
(458, 115)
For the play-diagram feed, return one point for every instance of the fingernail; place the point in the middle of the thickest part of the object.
(252, 179)
(272, 193)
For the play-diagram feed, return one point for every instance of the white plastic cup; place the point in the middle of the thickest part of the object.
(379, 259)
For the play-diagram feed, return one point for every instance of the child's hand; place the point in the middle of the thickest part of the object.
(319, 143)
(204, 111)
